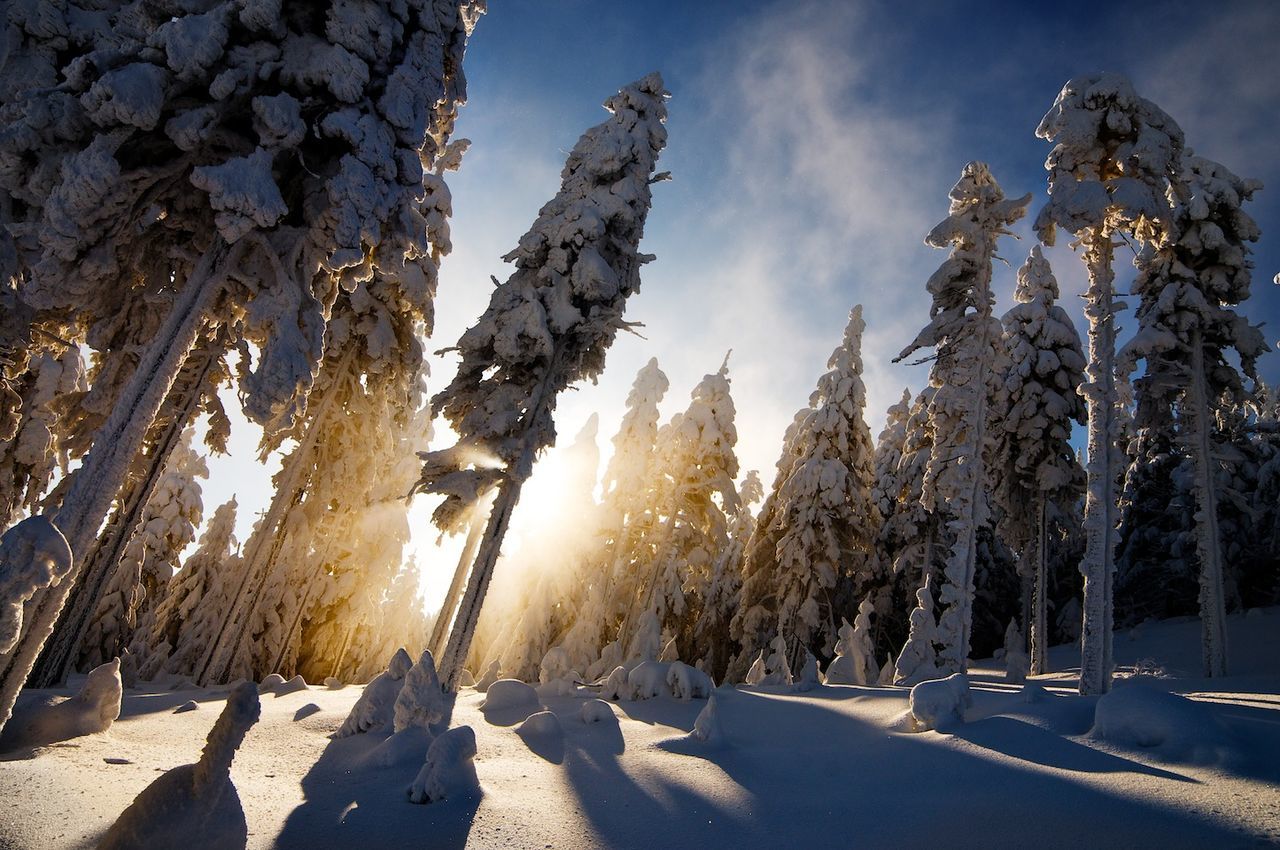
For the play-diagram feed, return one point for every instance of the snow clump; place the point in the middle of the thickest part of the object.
(511, 695)
(940, 703)
(618, 685)
(449, 770)
(687, 682)
(1137, 714)
(376, 707)
(706, 728)
(93, 709)
(420, 702)
(648, 679)
(596, 710)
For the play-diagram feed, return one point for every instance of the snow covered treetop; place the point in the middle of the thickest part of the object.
(1036, 281)
(551, 322)
(306, 132)
(978, 215)
(1114, 154)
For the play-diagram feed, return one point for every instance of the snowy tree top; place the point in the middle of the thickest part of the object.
(552, 321)
(1114, 153)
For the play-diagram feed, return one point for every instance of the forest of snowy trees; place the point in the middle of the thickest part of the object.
(247, 202)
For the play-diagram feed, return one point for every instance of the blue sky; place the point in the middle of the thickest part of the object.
(812, 146)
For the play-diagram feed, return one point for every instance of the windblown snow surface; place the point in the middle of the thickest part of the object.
(831, 767)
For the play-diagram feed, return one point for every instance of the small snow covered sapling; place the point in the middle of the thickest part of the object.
(756, 674)
(195, 802)
(420, 702)
(918, 660)
(491, 674)
(842, 670)
(648, 680)
(776, 669)
(618, 685)
(706, 728)
(1016, 663)
(449, 770)
(808, 678)
(376, 707)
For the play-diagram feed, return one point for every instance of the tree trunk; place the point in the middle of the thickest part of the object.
(464, 626)
(1040, 592)
(1104, 464)
(264, 546)
(106, 466)
(440, 629)
(58, 659)
(1213, 611)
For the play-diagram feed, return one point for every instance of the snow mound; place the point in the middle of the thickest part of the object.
(543, 735)
(687, 682)
(511, 696)
(333, 684)
(189, 705)
(596, 710)
(270, 683)
(648, 679)
(466, 679)
(306, 711)
(1033, 693)
(940, 703)
(376, 707)
(93, 709)
(194, 803)
(420, 701)
(449, 770)
(706, 728)
(1136, 714)
(293, 686)
(617, 686)
(808, 678)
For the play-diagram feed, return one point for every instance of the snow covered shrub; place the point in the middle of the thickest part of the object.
(375, 709)
(809, 677)
(420, 702)
(918, 660)
(706, 728)
(940, 703)
(1016, 663)
(449, 770)
(687, 682)
(618, 685)
(648, 680)
(194, 803)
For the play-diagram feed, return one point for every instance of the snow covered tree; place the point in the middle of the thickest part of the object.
(1046, 368)
(711, 633)
(825, 523)
(918, 660)
(185, 615)
(29, 459)
(1114, 156)
(548, 326)
(1188, 285)
(966, 374)
(169, 523)
(693, 493)
(886, 488)
(240, 162)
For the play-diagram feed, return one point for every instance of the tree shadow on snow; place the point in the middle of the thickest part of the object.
(810, 773)
(350, 803)
(1030, 743)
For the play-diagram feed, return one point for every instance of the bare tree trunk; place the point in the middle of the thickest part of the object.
(1213, 610)
(440, 629)
(1103, 467)
(106, 466)
(1039, 592)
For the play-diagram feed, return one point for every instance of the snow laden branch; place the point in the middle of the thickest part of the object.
(546, 327)
(1114, 158)
(965, 376)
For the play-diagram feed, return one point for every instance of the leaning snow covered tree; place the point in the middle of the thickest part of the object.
(966, 374)
(548, 326)
(1186, 323)
(1041, 477)
(239, 164)
(1114, 157)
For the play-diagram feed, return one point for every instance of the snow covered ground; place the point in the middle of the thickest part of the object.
(832, 767)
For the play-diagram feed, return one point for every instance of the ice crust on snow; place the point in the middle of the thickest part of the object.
(940, 703)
